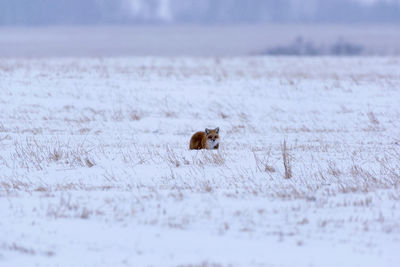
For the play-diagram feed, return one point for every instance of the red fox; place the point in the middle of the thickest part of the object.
(209, 139)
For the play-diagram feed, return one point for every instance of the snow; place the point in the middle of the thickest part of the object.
(95, 168)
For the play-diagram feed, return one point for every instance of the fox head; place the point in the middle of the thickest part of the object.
(212, 137)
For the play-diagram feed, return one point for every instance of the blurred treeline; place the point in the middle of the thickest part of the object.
(56, 12)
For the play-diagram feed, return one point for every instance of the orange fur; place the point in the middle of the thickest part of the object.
(209, 139)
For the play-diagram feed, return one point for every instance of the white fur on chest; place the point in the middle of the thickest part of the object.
(210, 144)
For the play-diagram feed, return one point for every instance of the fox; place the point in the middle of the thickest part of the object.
(209, 139)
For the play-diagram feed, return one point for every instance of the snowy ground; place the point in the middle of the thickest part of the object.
(95, 168)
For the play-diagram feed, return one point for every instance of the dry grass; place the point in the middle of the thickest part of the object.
(286, 158)
(25, 250)
(31, 153)
(191, 168)
(372, 118)
(263, 164)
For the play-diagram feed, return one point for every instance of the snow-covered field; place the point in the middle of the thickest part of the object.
(95, 168)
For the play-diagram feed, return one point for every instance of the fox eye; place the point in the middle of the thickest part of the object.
(209, 137)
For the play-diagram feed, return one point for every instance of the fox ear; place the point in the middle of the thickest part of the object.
(207, 131)
(217, 130)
